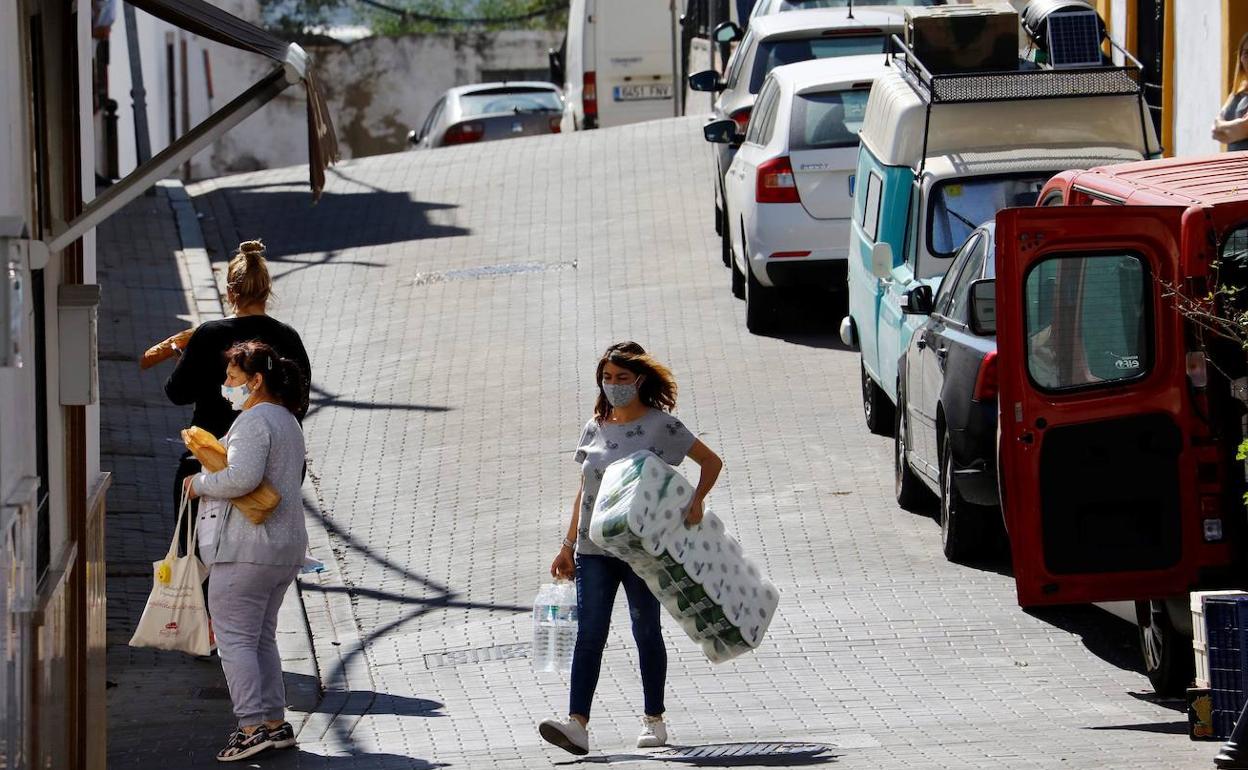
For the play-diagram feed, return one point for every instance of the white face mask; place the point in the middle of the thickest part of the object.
(237, 395)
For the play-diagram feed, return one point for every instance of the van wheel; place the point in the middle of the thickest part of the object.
(962, 530)
(738, 278)
(760, 305)
(1168, 659)
(907, 486)
(876, 407)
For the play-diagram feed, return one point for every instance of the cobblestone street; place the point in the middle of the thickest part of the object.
(454, 303)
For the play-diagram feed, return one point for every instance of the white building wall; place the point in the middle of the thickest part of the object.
(1198, 68)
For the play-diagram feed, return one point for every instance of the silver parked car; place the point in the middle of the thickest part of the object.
(487, 111)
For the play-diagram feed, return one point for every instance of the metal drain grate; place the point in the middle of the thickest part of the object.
(491, 271)
(477, 655)
(729, 754)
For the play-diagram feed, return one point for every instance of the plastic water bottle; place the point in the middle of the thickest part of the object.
(554, 627)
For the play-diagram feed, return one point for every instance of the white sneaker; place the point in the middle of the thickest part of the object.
(568, 734)
(653, 733)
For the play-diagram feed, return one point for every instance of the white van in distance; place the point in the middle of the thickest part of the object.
(617, 63)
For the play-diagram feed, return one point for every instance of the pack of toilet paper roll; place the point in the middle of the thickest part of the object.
(699, 574)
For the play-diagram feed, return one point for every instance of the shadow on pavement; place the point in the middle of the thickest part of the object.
(727, 755)
(322, 398)
(305, 760)
(1109, 638)
(1165, 728)
(289, 224)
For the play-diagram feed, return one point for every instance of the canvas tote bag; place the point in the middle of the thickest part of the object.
(176, 617)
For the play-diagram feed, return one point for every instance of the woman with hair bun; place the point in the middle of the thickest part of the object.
(197, 377)
(253, 564)
(636, 395)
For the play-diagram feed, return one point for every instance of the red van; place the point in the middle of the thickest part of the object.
(1120, 417)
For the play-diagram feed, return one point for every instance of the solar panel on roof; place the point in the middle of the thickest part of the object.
(1074, 39)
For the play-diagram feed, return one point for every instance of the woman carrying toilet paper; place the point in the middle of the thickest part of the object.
(636, 394)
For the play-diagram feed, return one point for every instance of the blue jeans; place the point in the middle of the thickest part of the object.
(597, 580)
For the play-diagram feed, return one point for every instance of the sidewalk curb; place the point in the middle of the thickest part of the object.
(294, 634)
(326, 618)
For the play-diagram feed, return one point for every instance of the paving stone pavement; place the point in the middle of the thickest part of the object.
(454, 303)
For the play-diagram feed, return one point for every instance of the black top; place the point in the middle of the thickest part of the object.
(200, 372)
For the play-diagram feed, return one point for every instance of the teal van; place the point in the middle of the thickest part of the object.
(941, 154)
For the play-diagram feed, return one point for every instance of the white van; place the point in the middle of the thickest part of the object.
(617, 63)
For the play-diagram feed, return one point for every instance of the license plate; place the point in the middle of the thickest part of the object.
(637, 92)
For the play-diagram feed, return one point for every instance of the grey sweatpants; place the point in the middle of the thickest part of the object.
(243, 600)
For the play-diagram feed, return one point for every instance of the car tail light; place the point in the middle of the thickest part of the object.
(986, 380)
(742, 118)
(554, 124)
(464, 133)
(775, 183)
(589, 94)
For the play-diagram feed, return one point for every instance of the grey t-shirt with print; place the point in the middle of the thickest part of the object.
(602, 444)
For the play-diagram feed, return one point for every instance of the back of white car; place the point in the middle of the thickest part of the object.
(619, 63)
(790, 187)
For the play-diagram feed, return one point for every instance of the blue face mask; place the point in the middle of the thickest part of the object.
(237, 395)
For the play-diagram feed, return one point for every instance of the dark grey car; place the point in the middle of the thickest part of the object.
(488, 111)
(946, 437)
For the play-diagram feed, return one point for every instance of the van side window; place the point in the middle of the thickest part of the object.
(871, 208)
(1087, 320)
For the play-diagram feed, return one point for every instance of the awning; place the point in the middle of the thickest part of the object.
(209, 21)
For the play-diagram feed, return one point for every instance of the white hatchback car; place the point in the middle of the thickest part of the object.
(768, 7)
(790, 188)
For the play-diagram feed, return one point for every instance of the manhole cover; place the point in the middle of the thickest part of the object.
(478, 655)
(747, 751)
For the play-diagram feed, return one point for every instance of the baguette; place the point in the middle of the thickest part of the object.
(165, 350)
(257, 504)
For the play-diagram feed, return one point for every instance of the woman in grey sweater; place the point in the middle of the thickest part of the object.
(253, 564)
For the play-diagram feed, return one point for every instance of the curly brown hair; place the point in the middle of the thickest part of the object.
(657, 390)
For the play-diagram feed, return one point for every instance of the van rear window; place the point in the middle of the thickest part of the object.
(1087, 321)
(828, 119)
(776, 53)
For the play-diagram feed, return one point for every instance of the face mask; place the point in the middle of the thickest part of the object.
(620, 395)
(237, 395)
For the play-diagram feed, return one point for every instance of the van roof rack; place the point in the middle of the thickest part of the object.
(1016, 85)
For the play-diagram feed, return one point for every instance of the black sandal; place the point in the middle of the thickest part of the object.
(241, 745)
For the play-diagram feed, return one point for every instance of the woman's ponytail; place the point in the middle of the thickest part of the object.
(247, 277)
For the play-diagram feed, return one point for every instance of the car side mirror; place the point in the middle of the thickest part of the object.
(412, 137)
(881, 260)
(983, 320)
(727, 32)
(707, 81)
(721, 132)
(917, 301)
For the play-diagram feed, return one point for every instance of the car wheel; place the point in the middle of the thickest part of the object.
(738, 279)
(719, 220)
(911, 493)
(1168, 659)
(962, 530)
(876, 407)
(760, 305)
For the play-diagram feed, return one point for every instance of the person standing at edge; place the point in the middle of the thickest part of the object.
(1231, 125)
(253, 564)
(201, 368)
(636, 394)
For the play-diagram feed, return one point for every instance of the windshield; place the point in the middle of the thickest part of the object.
(775, 53)
(958, 206)
(518, 100)
(796, 5)
(828, 119)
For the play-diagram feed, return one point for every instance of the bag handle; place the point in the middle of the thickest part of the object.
(184, 508)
